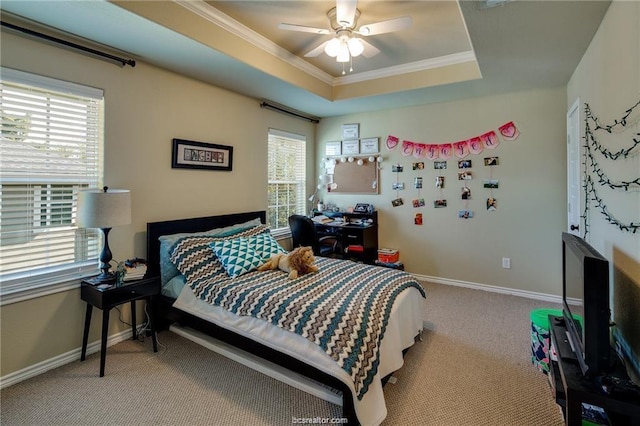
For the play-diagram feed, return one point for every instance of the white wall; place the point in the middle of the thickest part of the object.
(531, 198)
(145, 108)
(608, 79)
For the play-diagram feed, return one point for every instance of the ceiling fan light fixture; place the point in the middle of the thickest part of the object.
(333, 47)
(355, 47)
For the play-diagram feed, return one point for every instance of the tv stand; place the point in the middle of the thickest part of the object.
(572, 388)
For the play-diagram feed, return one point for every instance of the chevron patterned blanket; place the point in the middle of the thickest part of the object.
(344, 308)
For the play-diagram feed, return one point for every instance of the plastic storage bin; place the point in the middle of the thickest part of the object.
(540, 338)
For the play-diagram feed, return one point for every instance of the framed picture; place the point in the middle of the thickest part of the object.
(332, 148)
(369, 146)
(199, 155)
(350, 147)
(351, 131)
(363, 208)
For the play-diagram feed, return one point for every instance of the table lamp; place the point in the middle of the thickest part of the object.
(104, 209)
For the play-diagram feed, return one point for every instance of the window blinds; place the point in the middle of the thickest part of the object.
(51, 147)
(286, 176)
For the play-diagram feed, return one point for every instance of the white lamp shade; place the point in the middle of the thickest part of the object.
(332, 47)
(355, 47)
(100, 209)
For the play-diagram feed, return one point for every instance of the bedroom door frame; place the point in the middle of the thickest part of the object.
(574, 182)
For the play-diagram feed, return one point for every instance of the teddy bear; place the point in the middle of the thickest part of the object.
(297, 262)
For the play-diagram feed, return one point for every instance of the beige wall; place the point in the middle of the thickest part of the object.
(531, 198)
(608, 79)
(145, 108)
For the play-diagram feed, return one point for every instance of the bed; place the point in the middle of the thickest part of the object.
(297, 324)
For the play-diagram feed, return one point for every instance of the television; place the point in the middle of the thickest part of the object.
(584, 268)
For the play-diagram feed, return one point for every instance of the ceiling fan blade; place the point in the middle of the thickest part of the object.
(369, 49)
(316, 51)
(346, 12)
(382, 27)
(302, 28)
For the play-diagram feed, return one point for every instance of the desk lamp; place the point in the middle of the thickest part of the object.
(104, 209)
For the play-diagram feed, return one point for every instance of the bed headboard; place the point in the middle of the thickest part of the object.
(157, 229)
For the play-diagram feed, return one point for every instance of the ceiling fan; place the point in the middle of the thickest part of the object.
(345, 46)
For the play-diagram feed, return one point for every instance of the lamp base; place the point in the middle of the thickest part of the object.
(103, 278)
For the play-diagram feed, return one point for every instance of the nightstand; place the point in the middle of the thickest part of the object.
(108, 298)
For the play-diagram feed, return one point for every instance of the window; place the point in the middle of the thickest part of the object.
(51, 135)
(286, 175)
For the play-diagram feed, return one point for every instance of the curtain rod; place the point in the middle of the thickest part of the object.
(283, 110)
(27, 31)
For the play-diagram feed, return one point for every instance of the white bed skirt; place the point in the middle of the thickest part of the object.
(405, 322)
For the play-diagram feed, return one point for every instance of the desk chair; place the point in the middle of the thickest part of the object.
(303, 233)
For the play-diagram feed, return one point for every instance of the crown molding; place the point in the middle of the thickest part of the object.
(215, 16)
(427, 64)
(236, 28)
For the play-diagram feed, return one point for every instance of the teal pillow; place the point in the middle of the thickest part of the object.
(265, 245)
(168, 269)
(237, 256)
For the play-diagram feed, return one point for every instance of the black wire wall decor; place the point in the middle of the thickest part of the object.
(591, 165)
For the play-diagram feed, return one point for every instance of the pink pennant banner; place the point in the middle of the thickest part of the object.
(392, 142)
(407, 148)
(445, 151)
(432, 152)
(461, 149)
(419, 150)
(509, 131)
(490, 140)
(475, 145)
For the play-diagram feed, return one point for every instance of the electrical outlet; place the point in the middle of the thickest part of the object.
(506, 263)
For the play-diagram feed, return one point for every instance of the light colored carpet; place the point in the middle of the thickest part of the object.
(472, 368)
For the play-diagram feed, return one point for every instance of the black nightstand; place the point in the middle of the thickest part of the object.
(108, 298)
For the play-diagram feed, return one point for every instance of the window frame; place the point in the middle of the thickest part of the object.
(300, 181)
(38, 281)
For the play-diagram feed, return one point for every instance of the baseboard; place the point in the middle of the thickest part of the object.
(73, 355)
(503, 290)
(60, 360)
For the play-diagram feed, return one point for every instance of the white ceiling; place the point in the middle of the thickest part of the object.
(518, 45)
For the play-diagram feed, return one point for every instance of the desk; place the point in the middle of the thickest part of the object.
(572, 388)
(348, 233)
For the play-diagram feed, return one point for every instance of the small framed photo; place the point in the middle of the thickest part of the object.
(397, 168)
(492, 204)
(465, 176)
(199, 155)
(397, 202)
(351, 131)
(369, 146)
(439, 165)
(464, 164)
(465, 214)
(438, 204)
(418, 202)
(465, 193)
(491, 161)
(332, 148)
(491, 183)
(440, 182)
(397, 185)
(350, 147)
(418, 166)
